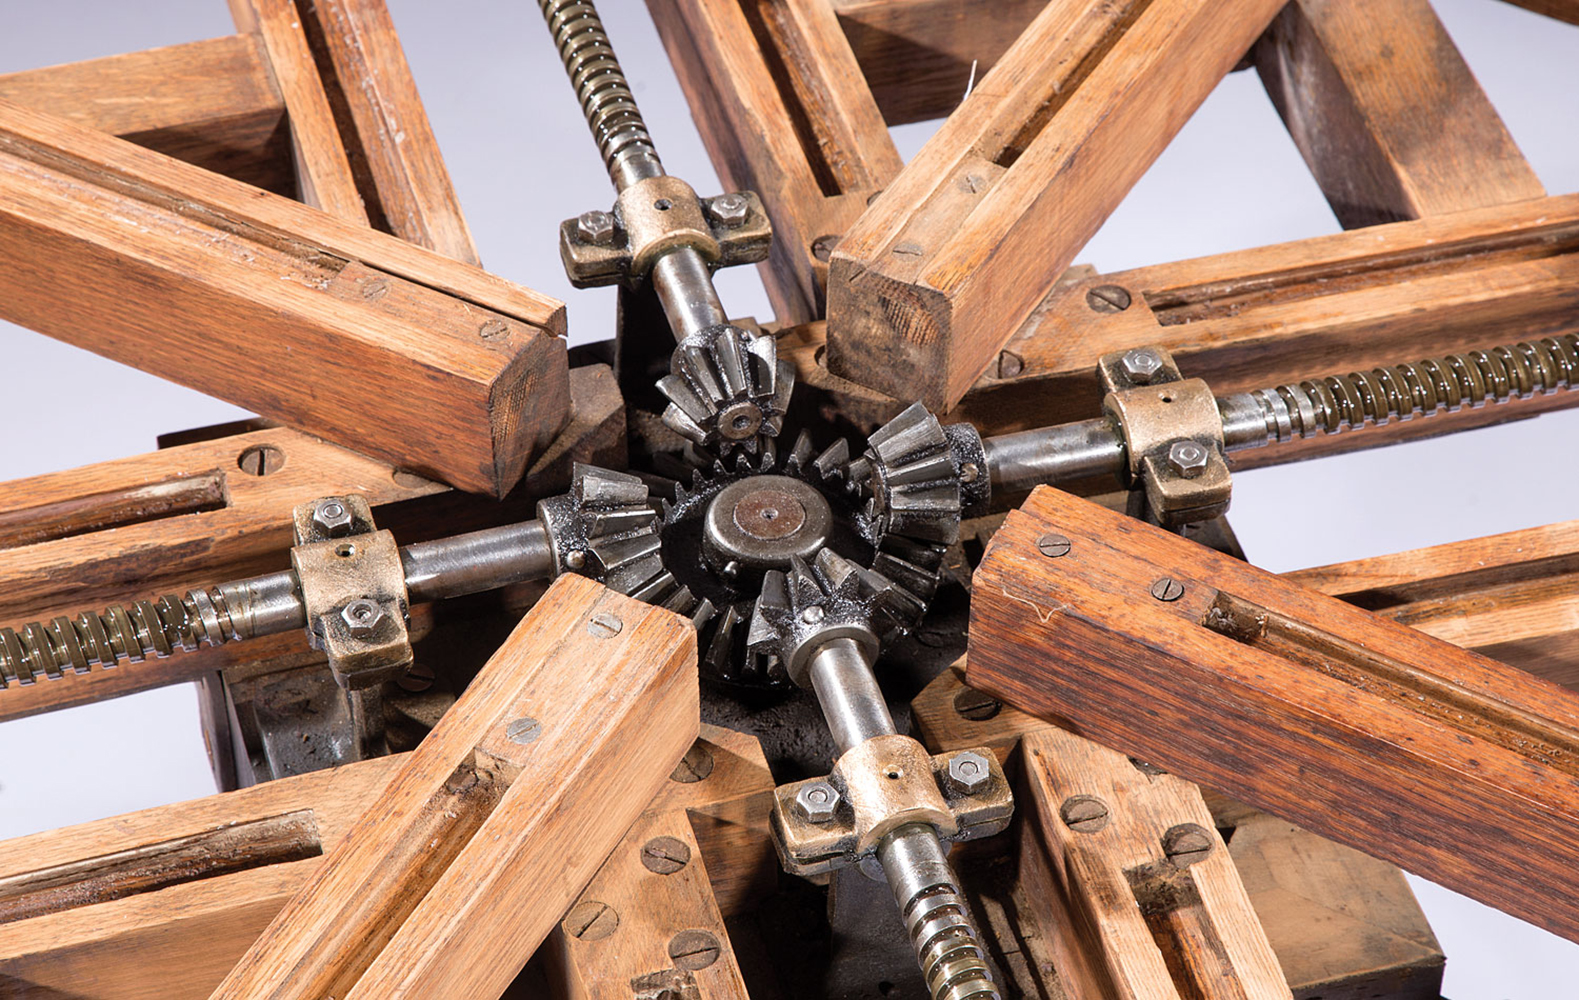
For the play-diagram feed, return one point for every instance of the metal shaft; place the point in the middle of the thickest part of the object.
(1326, 405)
(913, 858)
(262, 605)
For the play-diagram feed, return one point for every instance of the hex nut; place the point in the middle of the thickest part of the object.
(362, 616)
(333, 518)
(969, 772)
(596, 227)
(816, 802)
(1188, 458)
(729, 210)
(1141, 365)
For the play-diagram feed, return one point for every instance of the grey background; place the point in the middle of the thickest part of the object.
(521, 160)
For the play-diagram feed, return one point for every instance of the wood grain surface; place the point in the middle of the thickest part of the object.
(357, 336)
(494, 824)
(938, 275)
(1456, 767)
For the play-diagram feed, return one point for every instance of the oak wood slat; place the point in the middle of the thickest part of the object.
(323, 171)
(1563, 10)
(211, 103)
(1456, 767)
(483, 838)
(918, 55)
(1344, 925)
(357, 336)
(783, 110)
(948, 262)
(1387, 114)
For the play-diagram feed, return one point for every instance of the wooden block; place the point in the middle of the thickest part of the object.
(1513, 597)
(393, 154)
(919, 56)
(784, 111)
(493, 826)
(364, 339)
(1453, 766)
(1131, 916)
(1563, 10)
(936, 277)
(211, 103)
(323, 172)
(1387, 114)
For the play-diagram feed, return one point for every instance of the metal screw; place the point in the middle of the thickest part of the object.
(1141, 365)
(812, 615)
(494, 329)
(909, 248)
(1010, 364)
(1188, 458)
(1167, 589)
(362, 616)
(695, 766)
(332, 518)
(595, 227)
(1187, 843)
(523, 730)
(416, 679)
(823, 246)
(260, 460)
(969, 772)
(816, 802)
(605, 625)
(1084, 813)
(575, 559)
(730, 210)
(1053, 546)
(1108, 299)
(968, 472)
(375, 289)
(665, 855)
(975, 706)
(693, 950)
(591, 920)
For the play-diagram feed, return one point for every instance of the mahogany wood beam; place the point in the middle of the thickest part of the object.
(784, 110)
(1386, 112)
(925, 290)
(1456, 767)
(490, 828)
(211, 103)
(359, 337)
(919, 55)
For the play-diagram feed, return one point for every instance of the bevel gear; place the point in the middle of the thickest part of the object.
(818, 601)
(727, 389)
(923, 477)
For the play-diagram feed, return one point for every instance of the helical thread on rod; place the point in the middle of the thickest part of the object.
(947, 944)
(135, 633)
(1419, 389)
(601, 87)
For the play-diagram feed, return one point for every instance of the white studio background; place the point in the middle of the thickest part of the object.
(522, 161)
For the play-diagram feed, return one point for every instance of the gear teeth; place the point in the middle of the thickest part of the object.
(832, 462)
(830, 595)
(723, 368)
(915, 479)
(800, 453)
(606, 528)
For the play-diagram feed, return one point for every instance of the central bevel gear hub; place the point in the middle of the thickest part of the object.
(763, 523)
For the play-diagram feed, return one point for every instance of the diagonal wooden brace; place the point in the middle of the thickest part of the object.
(1456, 767)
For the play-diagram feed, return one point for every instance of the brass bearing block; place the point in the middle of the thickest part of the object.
(658, 215)
(876, 787)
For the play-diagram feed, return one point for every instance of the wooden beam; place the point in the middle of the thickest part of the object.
(366, 340)
(1342, 924)
(393, 153)
(495, 823)
(1386, 112)
(936, 277)
(1513, 597)
(323, 171)
(784, 111)
(210, 103)
(1563, 10)
(1451, 765)
(920, 56)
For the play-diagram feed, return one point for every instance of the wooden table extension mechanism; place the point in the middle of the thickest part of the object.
(529, 671)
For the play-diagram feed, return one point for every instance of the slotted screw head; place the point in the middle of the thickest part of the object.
(333, 518)
(1141, 365)
(665, 855)
(596, 227)
(730, 210)
(362, 616)
(1084, 813)
(816, 802)
(1053, 545)
(1167, 589)
(1187, 843)
(591, 920)
(1188, 458)
(1108, 298)
(969, 772)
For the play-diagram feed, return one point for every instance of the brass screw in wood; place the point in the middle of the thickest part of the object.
(1084, 813)
(665, 855)
(591, 920)
(261, 460)
(1187, 843)
(976, 706)
(1167, 589)
(693, 950)
(1108, 299)
(1053, 546)
(695, 766)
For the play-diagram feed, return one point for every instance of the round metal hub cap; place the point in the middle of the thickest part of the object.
(759, 523)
